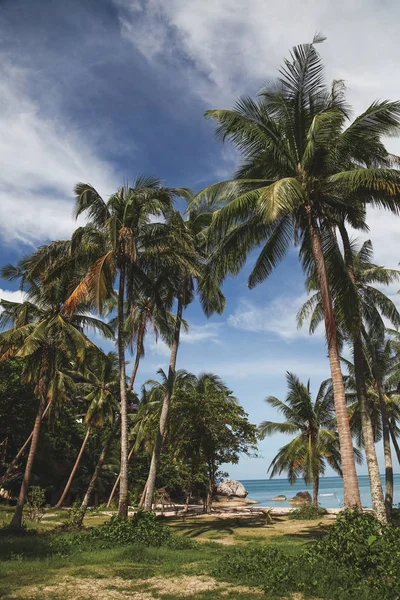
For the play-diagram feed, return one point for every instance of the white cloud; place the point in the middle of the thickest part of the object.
(43, 157)
(277, 317)
(200, 333)
(16, 296)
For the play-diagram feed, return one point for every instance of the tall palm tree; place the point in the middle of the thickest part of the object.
(303, 162)
(359, 306)
(184, 285)
(128, 243)
(98, 387)
(316, 442)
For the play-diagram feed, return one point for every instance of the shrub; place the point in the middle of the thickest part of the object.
(34, 506)
(307, 513)
(358, 558)
(143, 528)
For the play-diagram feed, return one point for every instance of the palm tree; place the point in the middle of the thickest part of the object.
(49, 341)
(128, 243)
(302, 165)
(359, 307)
(194, 228)
(98, 387)
(316, 442)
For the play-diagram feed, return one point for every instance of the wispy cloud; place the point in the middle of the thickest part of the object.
(277, 317)
(16, 296)
(43, 157)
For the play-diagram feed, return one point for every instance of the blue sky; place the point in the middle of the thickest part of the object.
(103, 90)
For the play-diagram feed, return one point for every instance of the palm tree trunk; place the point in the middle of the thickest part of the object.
(151, 480)
(395, 443)
(389, 484)
(350, 482)
(123, 488)
(315, 490)
(117, 480)
(74, 469)
(378, 503)
(96, 474)
(143, 496)
(15, 460)
(16, 520)
(139, 349)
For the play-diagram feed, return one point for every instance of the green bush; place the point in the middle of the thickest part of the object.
(143, 528)
(358, 558)
(307, 513)
(34, 506)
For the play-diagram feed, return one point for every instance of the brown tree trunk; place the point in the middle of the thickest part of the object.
(143, 496)
(74, 469)
(96, 474)
(389, 484)
(378, 503)
(117, 480)
(15, 460)
(315, 490)
(139, 349)
(350, 481)
(210, 492)
(16, 520)
(123, 488)
(395, 443)
(151, 480)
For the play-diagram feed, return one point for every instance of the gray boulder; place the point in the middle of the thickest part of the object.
(301, 498)
(231, 487)
(280, 498)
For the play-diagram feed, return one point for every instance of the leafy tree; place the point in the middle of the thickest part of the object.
(316, 442)
(207, 429)
(303, 164)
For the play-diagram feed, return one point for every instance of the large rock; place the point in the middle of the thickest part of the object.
(231, 487)
(301, 498)
(280, 498)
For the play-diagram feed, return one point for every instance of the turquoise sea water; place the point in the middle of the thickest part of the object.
(263, 490)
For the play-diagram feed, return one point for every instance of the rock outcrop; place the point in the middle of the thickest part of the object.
(280, 498)
(231, 487)
(301, 498)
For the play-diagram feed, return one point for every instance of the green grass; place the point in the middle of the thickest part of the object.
(37, 565)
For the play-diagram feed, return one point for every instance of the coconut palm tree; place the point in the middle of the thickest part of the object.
(359, 307)
(316, 443)
(128, 244)
(49, 341)
(303, 162)
(184, 285)
(98, 387)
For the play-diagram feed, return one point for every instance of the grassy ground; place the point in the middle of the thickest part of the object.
(32, 568)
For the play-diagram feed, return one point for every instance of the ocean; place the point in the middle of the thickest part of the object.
(330, 490)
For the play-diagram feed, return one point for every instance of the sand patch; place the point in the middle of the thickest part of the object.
(117, 588)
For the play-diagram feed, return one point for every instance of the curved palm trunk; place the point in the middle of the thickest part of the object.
(151, 480)
(389, 485)
(139, 349)
(315, 490)
(96, 474)
(74, 469)
(350, 482)
(143, 496)
(117, 480)
(123, 488)
(378, 503)
(20, 452)
(395, 443)
(16, 520)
